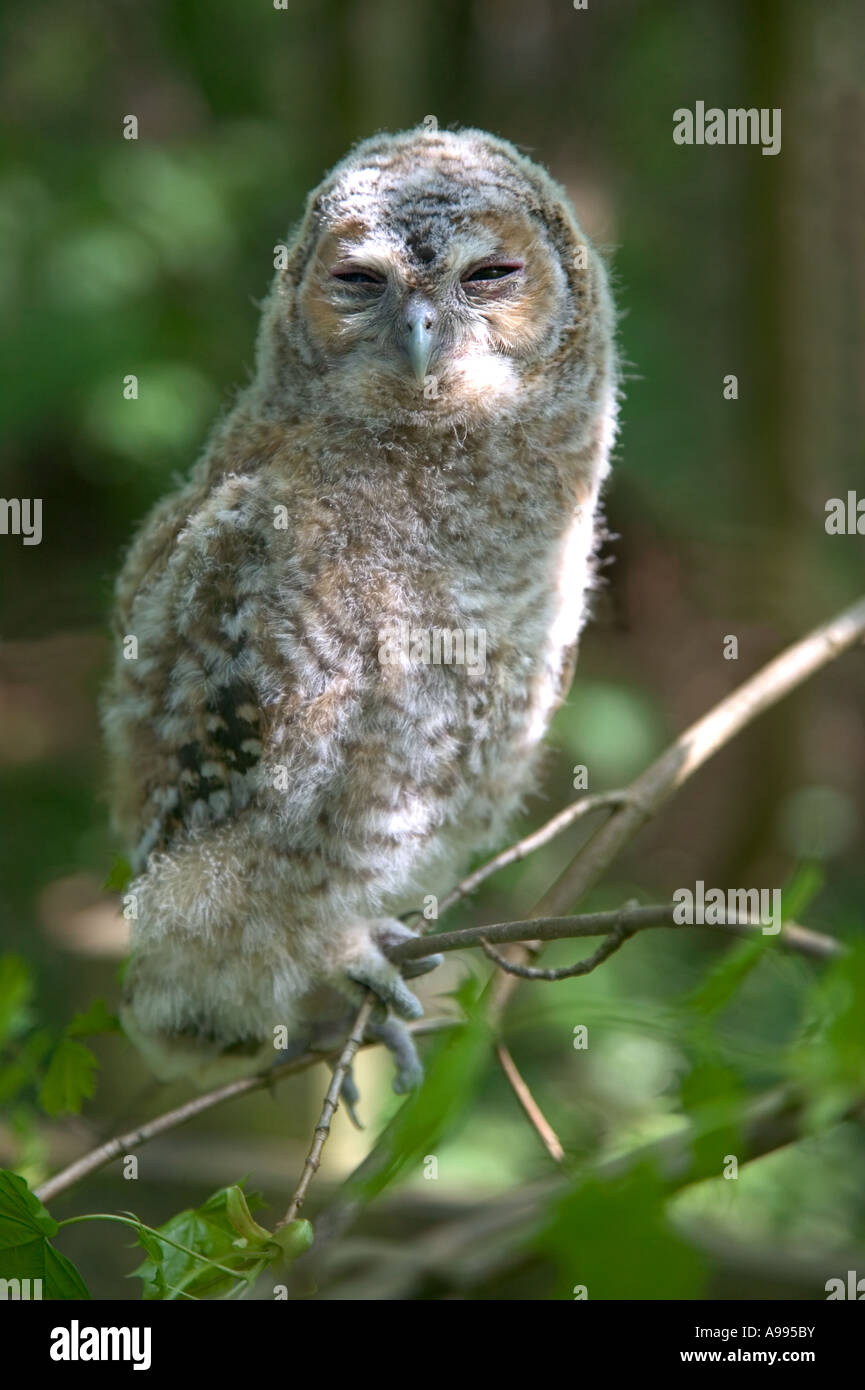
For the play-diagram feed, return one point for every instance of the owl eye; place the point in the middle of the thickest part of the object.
(496, 270)
(350, 276)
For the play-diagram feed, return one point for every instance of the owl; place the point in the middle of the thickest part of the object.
(340, 643)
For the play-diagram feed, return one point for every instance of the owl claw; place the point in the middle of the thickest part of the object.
(387, 985)
(350, 1095)
(400, 1043)
(368, 966)
(394, 934)
(422, 966)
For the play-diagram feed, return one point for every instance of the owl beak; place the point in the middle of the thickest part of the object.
(420, 317)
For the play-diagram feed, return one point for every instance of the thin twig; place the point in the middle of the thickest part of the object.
(329, 1109)
(631, 919)
(123, 1144)
(617, 937)
(683, 758)
(514, 853)
(539, 1122)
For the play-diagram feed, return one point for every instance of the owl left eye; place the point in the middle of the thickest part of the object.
(357, 277)
(497, 270)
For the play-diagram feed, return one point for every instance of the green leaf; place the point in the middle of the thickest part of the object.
(713, 1097)
(70, 1079)
(830, 1057)
(16, 988)
(805, 883)
(96, 1019)
(25, 1251)
(294, 1239)
(222, 1232)
(120, 875)
(454, 1071)
(652, 1262)
(241, 1218)
(724, 978)
(22, 1071)
(22, 1216)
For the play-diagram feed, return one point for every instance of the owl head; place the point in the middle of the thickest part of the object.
(438, 279)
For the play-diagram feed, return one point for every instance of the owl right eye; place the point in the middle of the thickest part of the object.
(358, 277)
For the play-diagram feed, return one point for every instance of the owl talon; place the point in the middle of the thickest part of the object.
(350, 1096)
(400, 1043)
(422, 966)
(387, 985)
(394, 934)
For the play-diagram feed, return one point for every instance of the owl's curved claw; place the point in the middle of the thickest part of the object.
(387, 984)
(422, 966)
(350, 1095)
(394, 934)
(400, 1043)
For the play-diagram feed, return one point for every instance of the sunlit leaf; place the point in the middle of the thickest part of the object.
(222, 1232)
(70, 1078)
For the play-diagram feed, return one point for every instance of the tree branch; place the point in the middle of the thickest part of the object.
(696, 746)
(136, 1138)
(536, 1117)
(329, 1109)
(629, 919)
(514, 853)
(682, 759)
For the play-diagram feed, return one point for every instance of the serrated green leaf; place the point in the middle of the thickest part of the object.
(210, 1239)
(23, 1070)
(22, 1216)
(25, 1251)
(94, 1020)
(70, 1078)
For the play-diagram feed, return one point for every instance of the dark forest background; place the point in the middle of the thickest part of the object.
(149, 257)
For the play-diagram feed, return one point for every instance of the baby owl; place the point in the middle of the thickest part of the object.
(353, 623)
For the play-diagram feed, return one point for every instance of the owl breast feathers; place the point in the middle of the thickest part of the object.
(354, 622)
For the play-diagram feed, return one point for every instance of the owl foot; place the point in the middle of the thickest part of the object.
(368, 967)
(400, 1044)
(393, 934)
(350, 1096)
